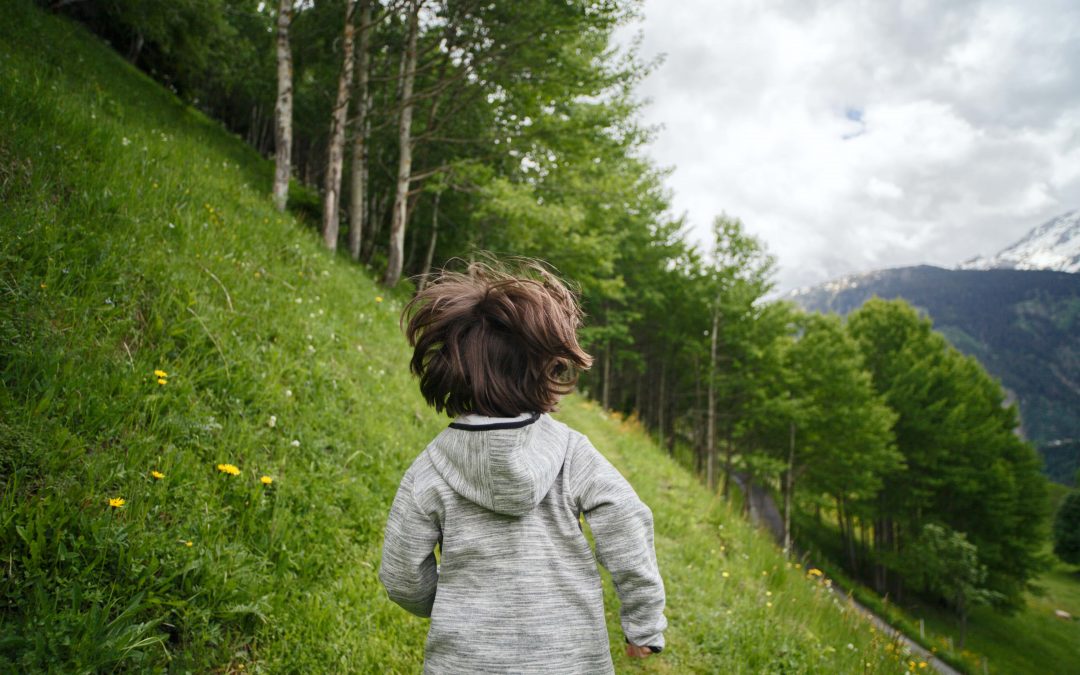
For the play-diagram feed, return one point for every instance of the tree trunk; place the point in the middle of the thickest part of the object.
(697, 416)
(963, 627)
(878, 548)
(710, 429)
(336, 152)
(376, 218)
(283, 108)
(394, 260)
(136, 48)
(430, 257)
(853, 560)
(358, 173)
(660, 408)
(639, 398)
(729, 461)
(789, 489)
(605, 399)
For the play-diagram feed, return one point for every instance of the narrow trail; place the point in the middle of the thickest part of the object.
(763, 511)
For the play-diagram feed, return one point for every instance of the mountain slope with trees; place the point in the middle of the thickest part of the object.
(205, 415)
(1020, 324)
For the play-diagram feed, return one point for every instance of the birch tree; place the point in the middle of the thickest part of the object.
(359, 171)
(399, 214)
(336, 151)
(283, 108)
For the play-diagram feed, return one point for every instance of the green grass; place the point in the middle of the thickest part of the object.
(1032, 640)
(137, 235)
(1029, 640)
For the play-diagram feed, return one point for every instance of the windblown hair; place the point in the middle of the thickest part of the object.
(493, 342)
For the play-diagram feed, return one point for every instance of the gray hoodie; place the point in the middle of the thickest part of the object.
(518, 589)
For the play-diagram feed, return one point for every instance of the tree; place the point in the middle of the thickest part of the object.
(964, 466)
(740, 275)
(1067, 529)
(336, 149)
(399, 214)
(361, 128)
(830, 425)
(283, 108)
(947, 564)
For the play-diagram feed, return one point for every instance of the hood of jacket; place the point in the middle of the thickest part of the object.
(505, 468)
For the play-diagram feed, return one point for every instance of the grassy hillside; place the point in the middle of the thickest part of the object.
(136, 237)
(1030, 640)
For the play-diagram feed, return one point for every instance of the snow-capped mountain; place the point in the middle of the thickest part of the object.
(1054, 245)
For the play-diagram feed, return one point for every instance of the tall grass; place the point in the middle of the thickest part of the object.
(137, 236)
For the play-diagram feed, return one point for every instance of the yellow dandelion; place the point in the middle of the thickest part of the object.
(815, 572)
(157, 474)
(768, 604)
(189, 543)
(923, 664)
(378, 298)
(160, 373)
(230, 469)
(725, 575)
(162, 380)
(116, 502)
(266, 480)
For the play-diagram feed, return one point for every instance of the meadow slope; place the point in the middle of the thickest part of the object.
(168, 340)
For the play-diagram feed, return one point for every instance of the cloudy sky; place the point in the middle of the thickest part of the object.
(856, 135)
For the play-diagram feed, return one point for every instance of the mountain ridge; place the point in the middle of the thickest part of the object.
(1053, 245)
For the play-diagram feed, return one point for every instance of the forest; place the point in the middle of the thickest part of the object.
(417, 134)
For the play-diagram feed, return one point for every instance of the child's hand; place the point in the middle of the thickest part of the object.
(636, 652)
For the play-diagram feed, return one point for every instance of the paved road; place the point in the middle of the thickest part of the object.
(763, 512)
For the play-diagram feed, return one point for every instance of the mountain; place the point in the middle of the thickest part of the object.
(1054, 245)
(1022, 326)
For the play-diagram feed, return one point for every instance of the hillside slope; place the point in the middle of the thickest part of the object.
(204, 417)
(1020, 324)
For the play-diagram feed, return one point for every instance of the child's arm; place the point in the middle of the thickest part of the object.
(623, 529)
(408, 569)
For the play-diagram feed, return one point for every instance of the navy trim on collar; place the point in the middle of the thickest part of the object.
(496, 425)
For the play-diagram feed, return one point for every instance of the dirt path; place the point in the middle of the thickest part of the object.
(763, 512)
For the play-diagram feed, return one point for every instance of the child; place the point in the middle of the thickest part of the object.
(501, 490)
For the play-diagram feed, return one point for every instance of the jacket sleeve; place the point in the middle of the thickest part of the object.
(408, 569)
(622, 526)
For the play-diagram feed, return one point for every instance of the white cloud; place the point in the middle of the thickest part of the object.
(852, 135)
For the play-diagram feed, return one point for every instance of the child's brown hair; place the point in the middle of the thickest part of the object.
(493, 342)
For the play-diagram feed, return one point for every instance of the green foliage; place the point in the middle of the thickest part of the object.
(1029, 640)
(945, 563)
(138, 237)
(1020, 324)
(1067, 529)
(965, 467)
(844, 442)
